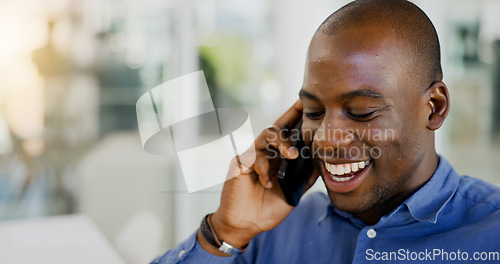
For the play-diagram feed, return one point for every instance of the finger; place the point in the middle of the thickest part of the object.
(291, 117)
(277, 140)
(261, 167)
(247, 159)
(285, 148)
(283, 124)
(242, 164)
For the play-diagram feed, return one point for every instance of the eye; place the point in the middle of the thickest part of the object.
(362, 117)
(314, 115)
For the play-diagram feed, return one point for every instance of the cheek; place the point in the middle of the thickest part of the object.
(382, 131)
(397, 142)
(385, 136)
(377, 135)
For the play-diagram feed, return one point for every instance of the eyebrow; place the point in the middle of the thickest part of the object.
(363, 93)
(304, 93)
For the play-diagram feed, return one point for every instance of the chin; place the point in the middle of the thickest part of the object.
(357, 204)
(347, 204)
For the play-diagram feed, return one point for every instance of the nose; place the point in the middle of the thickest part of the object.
(332, 135)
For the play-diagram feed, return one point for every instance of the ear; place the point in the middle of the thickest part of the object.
(438, 103)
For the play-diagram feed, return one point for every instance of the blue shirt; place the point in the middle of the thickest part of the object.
(449, 219)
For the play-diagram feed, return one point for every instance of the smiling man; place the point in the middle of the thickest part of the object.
(371, 100)
(369, 68)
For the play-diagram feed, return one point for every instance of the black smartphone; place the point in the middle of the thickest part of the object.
(293, 175)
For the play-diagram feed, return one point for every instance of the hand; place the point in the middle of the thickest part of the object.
(252, 200)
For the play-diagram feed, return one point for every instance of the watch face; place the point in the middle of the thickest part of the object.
(228, 249)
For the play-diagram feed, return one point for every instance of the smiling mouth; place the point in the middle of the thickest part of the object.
(345, 172)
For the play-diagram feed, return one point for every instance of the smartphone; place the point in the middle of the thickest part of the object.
(293, 175)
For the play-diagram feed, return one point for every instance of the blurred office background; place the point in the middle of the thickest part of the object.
(71, 72)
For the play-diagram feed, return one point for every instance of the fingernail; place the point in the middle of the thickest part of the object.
(269, 185)
(293, 152)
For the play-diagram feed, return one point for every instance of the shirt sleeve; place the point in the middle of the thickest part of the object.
(190, 251)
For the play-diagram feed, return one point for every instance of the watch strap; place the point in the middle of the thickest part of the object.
(206, 231)
(211, 237)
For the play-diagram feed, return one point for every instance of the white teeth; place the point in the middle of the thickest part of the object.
(342, 179)
(347, 168)
(340, 170)
(354, 166)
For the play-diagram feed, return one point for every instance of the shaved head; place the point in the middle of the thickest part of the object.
(415, 32)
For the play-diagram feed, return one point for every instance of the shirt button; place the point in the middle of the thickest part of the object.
(371, 233)
(181, 253)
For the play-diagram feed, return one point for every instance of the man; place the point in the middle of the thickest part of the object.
(371, 100)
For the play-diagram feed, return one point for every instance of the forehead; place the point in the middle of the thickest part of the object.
(367, 57)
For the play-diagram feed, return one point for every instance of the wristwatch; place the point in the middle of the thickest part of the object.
(211, 237)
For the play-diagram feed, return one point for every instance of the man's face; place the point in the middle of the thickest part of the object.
(361, 106)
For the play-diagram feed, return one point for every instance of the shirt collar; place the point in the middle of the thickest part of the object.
(327, 213)
(428, 201)
(423, 205)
